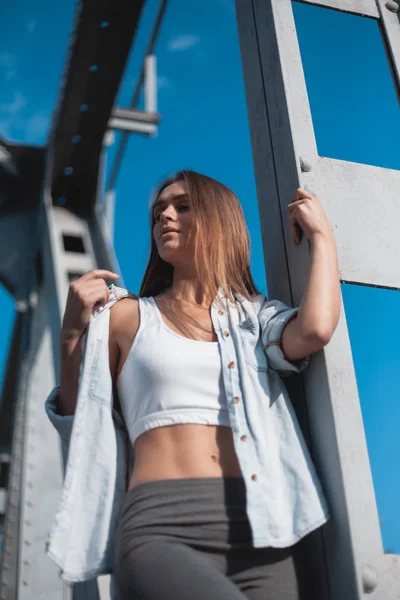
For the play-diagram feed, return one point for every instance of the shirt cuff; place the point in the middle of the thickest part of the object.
(62, 423)
(273, 348)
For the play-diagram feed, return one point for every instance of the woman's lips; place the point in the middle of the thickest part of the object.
(169, 233)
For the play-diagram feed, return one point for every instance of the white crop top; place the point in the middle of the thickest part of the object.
(169, 379)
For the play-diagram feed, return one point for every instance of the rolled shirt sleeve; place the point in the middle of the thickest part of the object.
(273, 317)
(62, 423)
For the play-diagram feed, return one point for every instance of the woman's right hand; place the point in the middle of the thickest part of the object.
(85, 295)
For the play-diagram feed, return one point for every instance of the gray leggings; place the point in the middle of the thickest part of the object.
(190, 539)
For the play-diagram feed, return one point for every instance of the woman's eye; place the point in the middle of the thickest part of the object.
(182, 206)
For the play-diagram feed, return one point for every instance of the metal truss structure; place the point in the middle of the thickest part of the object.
(53, 229)
(347, 557)
(55, 225)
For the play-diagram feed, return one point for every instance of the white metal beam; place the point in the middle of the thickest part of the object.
(41, 469)
(364, 8)
(391, 28)
(132, 126)
(150, 83)
(362, 204)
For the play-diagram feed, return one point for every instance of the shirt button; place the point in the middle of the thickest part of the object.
(220, 312)
(236, 400)
(231, 365)
(254, 477)
(226, 333)
(243, 438)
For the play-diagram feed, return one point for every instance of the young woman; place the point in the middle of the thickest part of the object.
(222, 487)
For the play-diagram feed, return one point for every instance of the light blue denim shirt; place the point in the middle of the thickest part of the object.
(284, 496)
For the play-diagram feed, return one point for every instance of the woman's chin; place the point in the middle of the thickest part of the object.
(168, 254)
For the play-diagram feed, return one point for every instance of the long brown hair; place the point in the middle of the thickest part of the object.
(221, 240)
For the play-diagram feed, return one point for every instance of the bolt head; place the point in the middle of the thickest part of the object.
(392, 6)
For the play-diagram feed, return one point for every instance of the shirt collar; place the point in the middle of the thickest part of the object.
(222, 296)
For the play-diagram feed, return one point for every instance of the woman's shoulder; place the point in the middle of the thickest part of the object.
(124, 311)
(119, 293)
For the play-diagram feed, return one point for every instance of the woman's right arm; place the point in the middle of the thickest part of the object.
(86, 294)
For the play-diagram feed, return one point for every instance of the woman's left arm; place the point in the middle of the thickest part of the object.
(319, 311)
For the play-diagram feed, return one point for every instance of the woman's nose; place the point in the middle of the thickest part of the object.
(167, 214)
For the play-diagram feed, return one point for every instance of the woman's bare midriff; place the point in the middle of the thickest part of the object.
(183, 451)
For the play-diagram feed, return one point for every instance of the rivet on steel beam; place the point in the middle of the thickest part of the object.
(76, 139)
(68, 171)
(84, 107)
(104, 24)
(369, 579)
(93, 68)
(305, 165)
(392, 6)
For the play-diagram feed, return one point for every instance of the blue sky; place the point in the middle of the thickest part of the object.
(204, 126)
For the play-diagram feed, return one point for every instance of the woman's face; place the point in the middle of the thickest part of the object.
(172, 211)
